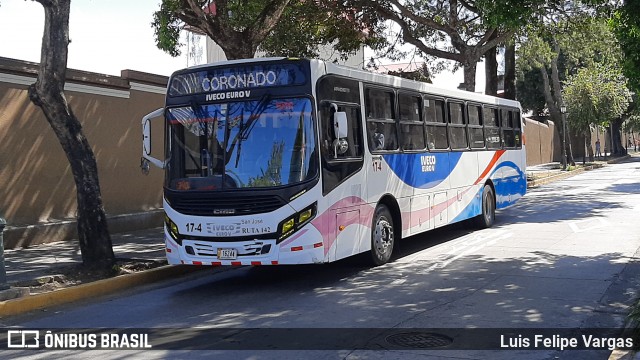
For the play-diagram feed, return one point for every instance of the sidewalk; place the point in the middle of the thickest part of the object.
(546, 173)
(25, 264)
(37, 280)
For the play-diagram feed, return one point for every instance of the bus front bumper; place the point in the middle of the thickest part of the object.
(237, 253)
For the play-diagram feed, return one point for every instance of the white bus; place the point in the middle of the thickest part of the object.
(291, 161)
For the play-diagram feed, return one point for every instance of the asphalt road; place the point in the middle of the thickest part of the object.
(566, 256)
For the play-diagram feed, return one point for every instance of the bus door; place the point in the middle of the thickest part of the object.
(342, 178)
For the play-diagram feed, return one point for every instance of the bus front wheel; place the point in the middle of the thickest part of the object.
(488, 215)
(382, 236)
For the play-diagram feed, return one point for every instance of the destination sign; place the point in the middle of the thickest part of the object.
(236, 80)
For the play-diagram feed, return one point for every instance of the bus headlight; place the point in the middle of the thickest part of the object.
(304, 216)
(295, 222)
(288, 226)
(172, 228)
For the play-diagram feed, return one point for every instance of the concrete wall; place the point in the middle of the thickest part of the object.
(37, 192)
(325, 52)
(542, 142)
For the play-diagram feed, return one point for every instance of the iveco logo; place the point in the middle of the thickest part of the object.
(224, 212)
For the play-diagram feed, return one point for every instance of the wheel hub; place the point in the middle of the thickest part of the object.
(383, 235)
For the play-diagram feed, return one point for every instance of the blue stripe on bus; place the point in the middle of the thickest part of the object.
(513, 185)
(422, 171)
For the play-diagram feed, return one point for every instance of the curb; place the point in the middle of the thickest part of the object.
(618, 159)
(568, 174)
(550, 179)
(561, 176)
(92, 289)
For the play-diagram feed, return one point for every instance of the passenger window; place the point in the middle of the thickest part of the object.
(492, 128)
(436, 125)
(476, 132)
(382, 135)
(517, 127)
(409, 107)
(508, 133)
(411, 125)
(457, 128)
(381, 125)
(379, 104)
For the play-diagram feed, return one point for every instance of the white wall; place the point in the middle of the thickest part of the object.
(215, 53)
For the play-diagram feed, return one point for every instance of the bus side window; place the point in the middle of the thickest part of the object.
(492, 128)
(506, 123)
(411, 124)
(457, 128)
(476, 133)
(517, 128)
(436, 124)
(381, 125)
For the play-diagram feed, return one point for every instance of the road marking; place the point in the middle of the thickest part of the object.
(588, 224)
(456, 249)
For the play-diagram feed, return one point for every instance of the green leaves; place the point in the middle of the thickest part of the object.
(242, 26)
(167, 27)
(625, 24)
(596, 95)
(306, 24)
(574, 43)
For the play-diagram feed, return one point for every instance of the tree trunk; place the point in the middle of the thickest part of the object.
(559, 101)
(491, 72)
(570, 158)
(48, 94)
(238, 47)
(556, 115)
(587, 141)
(616, 140)
(510, 71)
(219, 26)
(470, 76)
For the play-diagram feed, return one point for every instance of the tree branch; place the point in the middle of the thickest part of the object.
(469, 6)
(407, 35)
(404, 11)
(267, 20)
(45, 3)
(453, 13)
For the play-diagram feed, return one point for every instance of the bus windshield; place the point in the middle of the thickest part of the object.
(247, 144)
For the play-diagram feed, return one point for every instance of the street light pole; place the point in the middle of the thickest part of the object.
(563, 110)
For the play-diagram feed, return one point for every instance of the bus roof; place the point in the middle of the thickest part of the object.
(230, 62)
(368, 76)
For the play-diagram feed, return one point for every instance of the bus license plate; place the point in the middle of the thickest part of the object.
(227, 254)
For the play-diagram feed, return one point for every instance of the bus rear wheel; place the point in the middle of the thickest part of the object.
(382, 236)
(488, 215)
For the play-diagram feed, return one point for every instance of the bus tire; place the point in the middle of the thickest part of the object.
(382, 236)
(488, 215)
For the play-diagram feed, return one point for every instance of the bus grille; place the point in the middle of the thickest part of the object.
(204, 205)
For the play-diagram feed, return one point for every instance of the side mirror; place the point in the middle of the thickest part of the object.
(146, 136)
(146, 142)
(340, 124)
